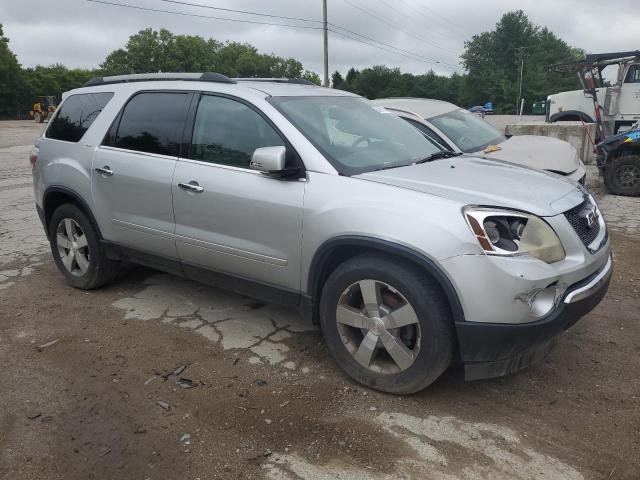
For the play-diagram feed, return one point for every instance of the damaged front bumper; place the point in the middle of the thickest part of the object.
(515, 310)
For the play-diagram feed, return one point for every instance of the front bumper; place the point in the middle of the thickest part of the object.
(495, 349)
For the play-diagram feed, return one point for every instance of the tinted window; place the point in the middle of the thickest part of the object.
(152, 123)
(76, 114)
(228, 132)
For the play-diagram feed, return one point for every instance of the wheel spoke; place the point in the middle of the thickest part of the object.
(401, 317)
(68, 228)
(83, 263)
(397, 350)
(81, 241)
(370, 296)
(62, 241)
(67, 260)
(352, 317)
(366, 350)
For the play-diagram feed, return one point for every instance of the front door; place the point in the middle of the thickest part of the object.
(229, 218)
(630, 93)
(132, 173)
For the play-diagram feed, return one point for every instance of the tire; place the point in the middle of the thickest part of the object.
(38, 117)
(427, 333)
(622, 175)
(85, 264)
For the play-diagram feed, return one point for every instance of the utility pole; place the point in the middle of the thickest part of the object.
(520, 88)
(326, 43)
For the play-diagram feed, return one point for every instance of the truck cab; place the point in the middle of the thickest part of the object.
(619, 100)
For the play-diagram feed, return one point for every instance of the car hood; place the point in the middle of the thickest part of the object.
(476, 181)
(545, 153)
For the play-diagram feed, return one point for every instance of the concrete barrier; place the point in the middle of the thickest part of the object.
(573, 132)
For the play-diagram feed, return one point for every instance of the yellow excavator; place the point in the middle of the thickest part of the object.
(43, 108)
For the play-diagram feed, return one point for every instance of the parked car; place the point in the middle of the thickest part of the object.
(619, 162)
(459, 130)
(409, 257)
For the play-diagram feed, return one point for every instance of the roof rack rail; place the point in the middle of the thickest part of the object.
(297, 81)
(141, 77)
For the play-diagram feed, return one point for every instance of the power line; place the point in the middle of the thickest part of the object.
(421, 57)
(246, 12)
(184, 14)
(393, 25)
(429, 18)
(433, 12)
(350, 34)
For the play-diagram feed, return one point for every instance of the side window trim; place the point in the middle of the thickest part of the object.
(435, 137)
(190, 126)
(110, 135)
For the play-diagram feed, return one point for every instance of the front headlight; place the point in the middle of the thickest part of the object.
(506, 232)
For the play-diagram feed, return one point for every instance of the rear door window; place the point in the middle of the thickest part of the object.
(152, 122)
(76, 114)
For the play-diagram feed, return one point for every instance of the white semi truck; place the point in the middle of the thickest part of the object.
(618, 99)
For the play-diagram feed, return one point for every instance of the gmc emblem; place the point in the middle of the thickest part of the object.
(589, 216)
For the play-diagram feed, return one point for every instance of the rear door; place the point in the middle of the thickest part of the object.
(233, 219)
(133, 169)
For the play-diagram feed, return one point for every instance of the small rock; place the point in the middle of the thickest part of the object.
(267, 421)
(261, 383)
(164, 405)
(185, 439)
(267, 452)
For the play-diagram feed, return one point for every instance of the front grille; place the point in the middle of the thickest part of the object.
(586, 234)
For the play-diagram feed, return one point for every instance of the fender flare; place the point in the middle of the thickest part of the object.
(429, 265)
(76, 197)
(556, 117)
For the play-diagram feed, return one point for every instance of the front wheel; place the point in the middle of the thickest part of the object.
(386, 324)
(622, 175)
(77, 251)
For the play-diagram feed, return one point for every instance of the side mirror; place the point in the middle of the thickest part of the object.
(268, 159)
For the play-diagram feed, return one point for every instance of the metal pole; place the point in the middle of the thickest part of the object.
(326, 43)
(520, 88)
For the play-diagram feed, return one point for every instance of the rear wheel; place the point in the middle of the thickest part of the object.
(386, 324)
(622, 175)
(77, 251)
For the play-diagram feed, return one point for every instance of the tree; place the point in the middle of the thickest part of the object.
(493, 61)
(336, 80)
(10, 74)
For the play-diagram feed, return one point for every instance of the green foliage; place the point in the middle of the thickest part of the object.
(9, 77)
(493, 60)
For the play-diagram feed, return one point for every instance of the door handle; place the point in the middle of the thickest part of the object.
(106, 171)
(191, 187)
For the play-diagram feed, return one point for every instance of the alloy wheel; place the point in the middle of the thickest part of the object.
(72, 247)
(378, 326)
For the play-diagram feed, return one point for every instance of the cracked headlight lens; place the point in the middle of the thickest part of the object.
(506, 232)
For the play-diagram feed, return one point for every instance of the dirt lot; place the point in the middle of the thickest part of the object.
(104, 400)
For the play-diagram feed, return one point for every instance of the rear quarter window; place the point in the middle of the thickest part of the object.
(76, 114)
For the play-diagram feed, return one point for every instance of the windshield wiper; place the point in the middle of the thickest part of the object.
(439, 155)
(393, 165)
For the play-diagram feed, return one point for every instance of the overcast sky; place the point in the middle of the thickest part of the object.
(79, 33)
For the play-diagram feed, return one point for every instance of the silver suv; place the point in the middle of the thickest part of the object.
(409, 257)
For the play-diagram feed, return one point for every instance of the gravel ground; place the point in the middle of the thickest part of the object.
(93, 387)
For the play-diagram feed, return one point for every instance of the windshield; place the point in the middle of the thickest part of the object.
(468, 131)
(354, 134)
